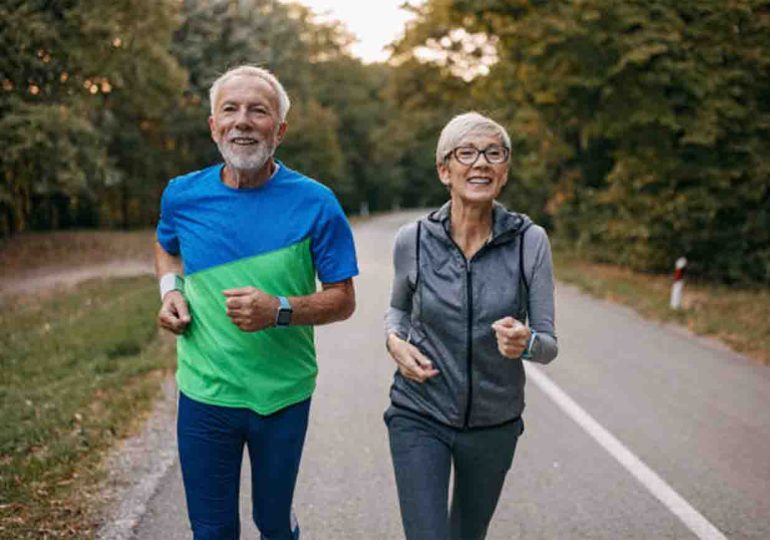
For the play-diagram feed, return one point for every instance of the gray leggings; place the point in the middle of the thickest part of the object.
(423, 453)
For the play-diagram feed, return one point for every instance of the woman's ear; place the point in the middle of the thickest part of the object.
(443, 173)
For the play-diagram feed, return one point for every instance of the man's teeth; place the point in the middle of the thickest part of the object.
(243, 140)
(477, 180)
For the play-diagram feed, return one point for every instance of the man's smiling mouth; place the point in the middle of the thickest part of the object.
(243, 141)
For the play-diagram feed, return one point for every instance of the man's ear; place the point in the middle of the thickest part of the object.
(281, 132)
(212, 130)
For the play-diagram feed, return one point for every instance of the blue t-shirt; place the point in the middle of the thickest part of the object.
(278, 238)
(210, 223)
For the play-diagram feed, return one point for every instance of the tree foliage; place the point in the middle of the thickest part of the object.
(82, 100)
(640, 127)
(104, 101)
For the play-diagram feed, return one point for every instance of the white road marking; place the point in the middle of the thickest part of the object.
(692, 519)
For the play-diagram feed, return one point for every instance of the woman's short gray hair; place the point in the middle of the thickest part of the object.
(463, 125)
(284, 103)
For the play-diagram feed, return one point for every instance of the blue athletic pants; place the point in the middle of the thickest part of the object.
(211, 440)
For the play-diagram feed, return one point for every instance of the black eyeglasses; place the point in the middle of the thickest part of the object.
(468, 155)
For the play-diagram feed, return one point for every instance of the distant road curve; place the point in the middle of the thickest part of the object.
(47, 278)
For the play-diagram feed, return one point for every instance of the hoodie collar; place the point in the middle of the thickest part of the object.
(505, 224)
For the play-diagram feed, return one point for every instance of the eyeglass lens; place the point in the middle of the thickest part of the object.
(467, 155)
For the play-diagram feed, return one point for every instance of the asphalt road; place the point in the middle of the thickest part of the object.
(696, 415)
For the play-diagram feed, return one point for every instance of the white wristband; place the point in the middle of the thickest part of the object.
(170, 282)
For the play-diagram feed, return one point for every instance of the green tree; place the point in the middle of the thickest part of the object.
(38, 102)
(51, 157)
(423, 95)
(640, 126)
(103, 71)
(353, 91)
(311, 146)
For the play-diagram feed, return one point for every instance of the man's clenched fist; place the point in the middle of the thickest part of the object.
(251, 309)
(174, 314)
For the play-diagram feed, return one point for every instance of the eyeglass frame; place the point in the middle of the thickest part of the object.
(453, 152)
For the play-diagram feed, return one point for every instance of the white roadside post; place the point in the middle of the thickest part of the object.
(678, 285)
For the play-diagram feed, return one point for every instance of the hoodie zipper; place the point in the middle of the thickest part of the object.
(469, 322)
(469, 347)
(469, 341)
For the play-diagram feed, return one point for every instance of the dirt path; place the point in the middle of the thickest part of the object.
(52, 278)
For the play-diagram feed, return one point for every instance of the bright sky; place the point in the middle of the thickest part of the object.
(375, 23)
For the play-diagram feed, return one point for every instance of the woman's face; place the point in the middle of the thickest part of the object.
(480, 181)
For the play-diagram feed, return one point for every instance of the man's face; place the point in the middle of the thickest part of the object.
(245, 124)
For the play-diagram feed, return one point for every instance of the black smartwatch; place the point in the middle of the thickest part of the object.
(284, 312)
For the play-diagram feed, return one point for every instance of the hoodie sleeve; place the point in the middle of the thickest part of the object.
(537, 249)
(398, 315)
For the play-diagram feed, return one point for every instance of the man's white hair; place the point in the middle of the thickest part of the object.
(463, 125)
(284, 103)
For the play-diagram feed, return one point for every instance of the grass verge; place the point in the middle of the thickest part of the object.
(739, 317)
(79, 370)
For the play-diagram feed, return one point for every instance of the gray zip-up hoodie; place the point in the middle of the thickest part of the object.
(447, 309)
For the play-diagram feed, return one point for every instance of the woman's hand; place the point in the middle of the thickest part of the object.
(512, 336)
(412, 364)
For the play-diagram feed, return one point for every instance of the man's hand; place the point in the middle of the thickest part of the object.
(512, 336)
(411, 362)
(251, 309)
(174, 314)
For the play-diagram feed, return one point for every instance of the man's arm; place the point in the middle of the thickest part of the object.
(251, 309)
(165, 262)
(335, 302)
(174, 314)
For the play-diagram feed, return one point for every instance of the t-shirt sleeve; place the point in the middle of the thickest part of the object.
(334, 252)
(166, 231)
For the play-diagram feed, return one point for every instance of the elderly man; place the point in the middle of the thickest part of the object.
(249, 236)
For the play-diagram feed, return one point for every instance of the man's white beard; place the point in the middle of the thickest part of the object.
(245, 158)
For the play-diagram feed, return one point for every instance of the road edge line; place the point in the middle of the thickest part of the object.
(658, 487)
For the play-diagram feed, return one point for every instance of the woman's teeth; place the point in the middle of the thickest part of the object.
(479, 180)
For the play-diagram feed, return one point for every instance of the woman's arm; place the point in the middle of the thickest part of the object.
(541, 296)
(411, 362)
(398, 316)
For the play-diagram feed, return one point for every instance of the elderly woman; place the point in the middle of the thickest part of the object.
(472, 297)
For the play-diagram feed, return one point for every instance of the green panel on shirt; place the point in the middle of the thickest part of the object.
(263, 371)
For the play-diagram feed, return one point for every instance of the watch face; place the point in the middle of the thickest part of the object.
(283, 318)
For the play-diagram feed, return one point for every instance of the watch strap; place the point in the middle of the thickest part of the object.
(527, 354)
(284, 312)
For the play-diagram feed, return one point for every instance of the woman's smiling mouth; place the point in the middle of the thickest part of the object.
(479, 180)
